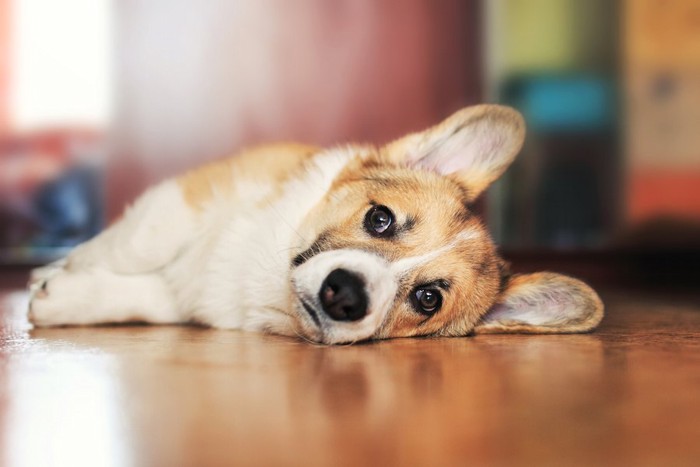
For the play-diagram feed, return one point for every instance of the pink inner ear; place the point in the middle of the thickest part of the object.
(442, 166)
(469, 149)
(548, 308)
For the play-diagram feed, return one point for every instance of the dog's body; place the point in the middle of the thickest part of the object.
(334, 245)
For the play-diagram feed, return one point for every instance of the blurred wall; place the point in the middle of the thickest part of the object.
(4, 66)
(198, 80)
(662, 74)
(556, 62)
(536, 36)
(61, 64)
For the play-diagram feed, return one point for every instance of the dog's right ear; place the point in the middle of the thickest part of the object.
(475, 145)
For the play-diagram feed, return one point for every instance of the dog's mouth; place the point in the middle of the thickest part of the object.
(310, 322)
(310, 310)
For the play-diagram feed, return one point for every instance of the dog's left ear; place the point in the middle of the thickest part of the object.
(476, 145)
(543, 303)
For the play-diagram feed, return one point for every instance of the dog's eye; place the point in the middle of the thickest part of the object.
(379, 221)
(427, 301)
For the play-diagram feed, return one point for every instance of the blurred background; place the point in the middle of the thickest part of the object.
(100, 98)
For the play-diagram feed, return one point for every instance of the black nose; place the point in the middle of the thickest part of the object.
(343, 296)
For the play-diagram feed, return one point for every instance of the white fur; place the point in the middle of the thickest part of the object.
(164, 262)
(150, 234)
(237, 274)
(380, 286)
(98, 295)
(404, 265)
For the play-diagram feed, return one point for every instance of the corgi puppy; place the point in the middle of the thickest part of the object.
(334, 245)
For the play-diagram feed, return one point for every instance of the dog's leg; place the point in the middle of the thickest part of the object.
(115, 276)
(99, 296)
(149, 235)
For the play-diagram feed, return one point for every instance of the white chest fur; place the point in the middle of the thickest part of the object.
(236, 273)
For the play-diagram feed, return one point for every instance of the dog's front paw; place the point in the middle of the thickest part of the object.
(38, 277)
(58, 297)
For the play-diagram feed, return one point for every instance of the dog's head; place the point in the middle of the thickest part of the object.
(395, 249)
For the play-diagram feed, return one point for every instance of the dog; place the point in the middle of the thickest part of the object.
(336, 245)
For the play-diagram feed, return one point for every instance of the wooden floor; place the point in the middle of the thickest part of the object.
(628, 394)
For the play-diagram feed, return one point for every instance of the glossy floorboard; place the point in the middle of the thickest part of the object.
(628, 394)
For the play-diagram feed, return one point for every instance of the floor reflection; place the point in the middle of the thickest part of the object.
(169, 395)
(64, 410)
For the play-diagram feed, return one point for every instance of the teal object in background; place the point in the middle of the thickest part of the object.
(572, 104)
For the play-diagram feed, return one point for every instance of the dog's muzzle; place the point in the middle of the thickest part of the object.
(346, 294)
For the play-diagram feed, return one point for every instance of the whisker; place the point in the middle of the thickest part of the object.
(307, 340)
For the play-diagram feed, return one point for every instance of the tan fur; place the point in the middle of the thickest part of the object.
(274, 163)
(439, 206)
